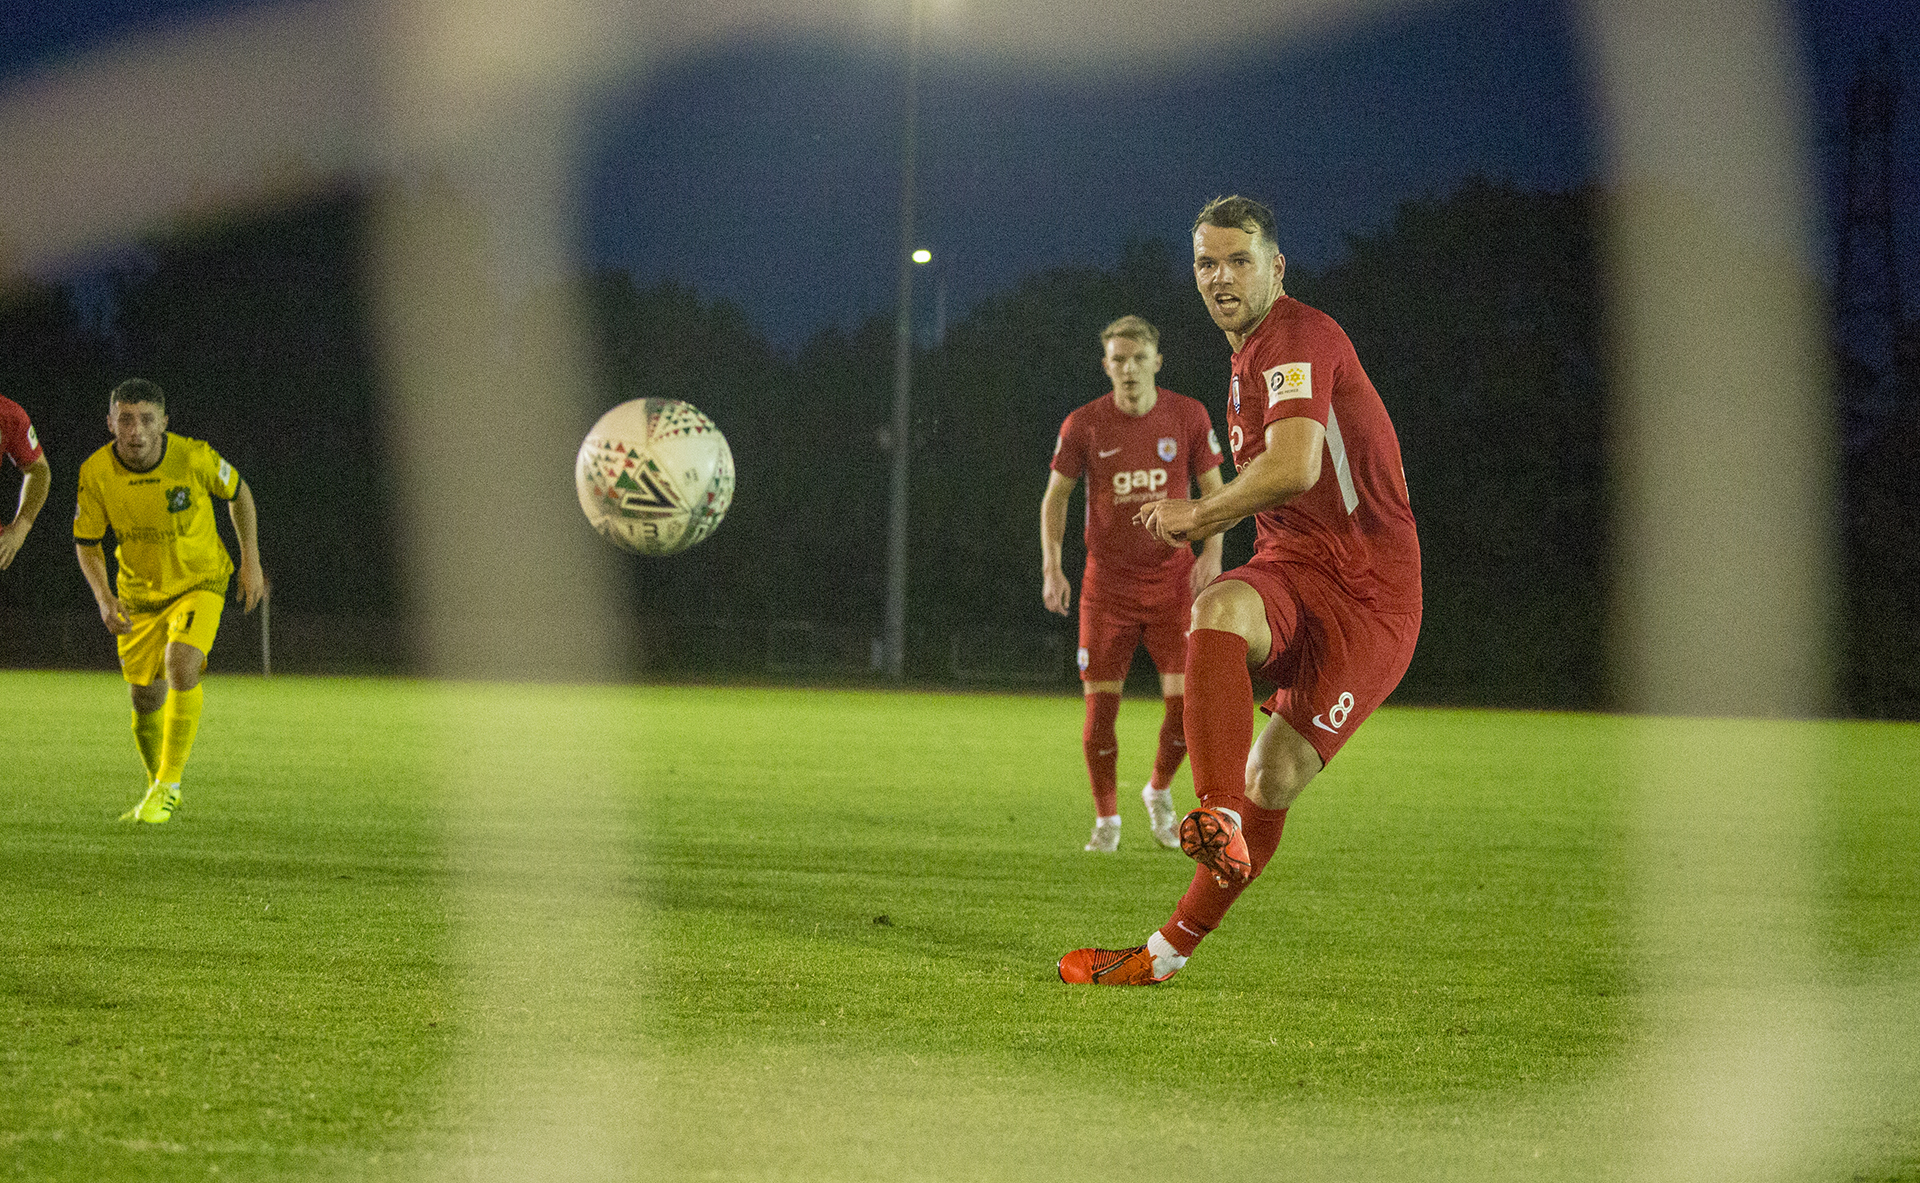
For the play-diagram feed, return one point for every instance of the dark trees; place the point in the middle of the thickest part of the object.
(1477, 316)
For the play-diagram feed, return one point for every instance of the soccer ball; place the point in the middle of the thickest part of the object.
(654, 476)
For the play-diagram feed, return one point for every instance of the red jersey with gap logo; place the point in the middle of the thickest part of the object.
(1124, 462)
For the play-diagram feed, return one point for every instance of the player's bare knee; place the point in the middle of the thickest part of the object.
(1230, 606)
(1275, 775)
(1271, 788)
(184, 664)
(1280, 765)
(151, 697)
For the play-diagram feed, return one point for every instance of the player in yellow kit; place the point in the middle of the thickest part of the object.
(155, 490)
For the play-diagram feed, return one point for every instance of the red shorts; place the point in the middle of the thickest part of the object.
(1333, 660)
(1109, 633)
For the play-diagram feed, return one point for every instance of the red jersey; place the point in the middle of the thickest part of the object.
(1356, 523)
(16, 434)
(1128, 461)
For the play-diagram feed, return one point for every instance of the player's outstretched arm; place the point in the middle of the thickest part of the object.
(38, 478)
(1289, 467)
(246, 526)
(1055, 591)
(93, 565)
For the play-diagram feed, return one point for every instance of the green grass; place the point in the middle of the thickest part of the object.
(410, 930)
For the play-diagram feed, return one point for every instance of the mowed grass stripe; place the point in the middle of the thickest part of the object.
(1435, 969)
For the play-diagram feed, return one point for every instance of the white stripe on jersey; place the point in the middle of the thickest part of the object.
(1337, 448)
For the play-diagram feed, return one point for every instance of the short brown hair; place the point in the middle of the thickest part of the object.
(1240, 213)
(1135, 327)
(137, 390)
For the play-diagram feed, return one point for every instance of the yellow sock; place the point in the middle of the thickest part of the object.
(180, 720)
(146, 735)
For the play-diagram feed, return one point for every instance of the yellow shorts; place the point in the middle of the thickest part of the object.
(193, 619)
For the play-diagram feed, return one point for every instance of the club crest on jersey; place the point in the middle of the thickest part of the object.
(1233, 397)
(1293, 380)
(1169, 448)
(179, 499)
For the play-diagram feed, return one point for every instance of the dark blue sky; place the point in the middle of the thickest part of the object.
(766, 171)
(777, 163)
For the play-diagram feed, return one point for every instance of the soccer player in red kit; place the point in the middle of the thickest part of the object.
(1136, 445)
(19, 444)
(1327, 610)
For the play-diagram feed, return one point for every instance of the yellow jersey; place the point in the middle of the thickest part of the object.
(166, 543)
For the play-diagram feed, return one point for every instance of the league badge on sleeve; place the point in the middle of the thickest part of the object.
(1293, 380)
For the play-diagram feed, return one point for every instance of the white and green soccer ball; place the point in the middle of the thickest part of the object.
(654, 476)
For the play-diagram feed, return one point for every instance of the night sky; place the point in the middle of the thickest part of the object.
(765, 170)
(1021, 170)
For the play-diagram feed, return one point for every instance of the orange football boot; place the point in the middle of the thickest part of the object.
(1109, 967)
(1211, 838)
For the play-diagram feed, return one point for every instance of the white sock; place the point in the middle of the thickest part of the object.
(1165, 794)
(1112, 820)
(1165, 959)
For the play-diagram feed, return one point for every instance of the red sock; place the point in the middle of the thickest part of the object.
(1173, 742)
(1219, 716)
(1102, 746)
(1206, 902)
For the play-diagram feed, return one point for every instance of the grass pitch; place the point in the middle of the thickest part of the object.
(809, 935)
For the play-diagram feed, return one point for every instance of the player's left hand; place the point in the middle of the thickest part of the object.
(10, 539)
(1172, 521)
(253, 585)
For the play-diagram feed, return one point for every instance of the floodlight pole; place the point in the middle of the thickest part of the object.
(896, 622)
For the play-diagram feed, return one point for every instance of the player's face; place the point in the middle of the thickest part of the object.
(139, 432)
(1131, 365)
(1238, 276)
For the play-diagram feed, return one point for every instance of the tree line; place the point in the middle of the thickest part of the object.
(1477, 313)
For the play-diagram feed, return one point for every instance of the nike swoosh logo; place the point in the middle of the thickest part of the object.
(1109, 452)
(1323, 726)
